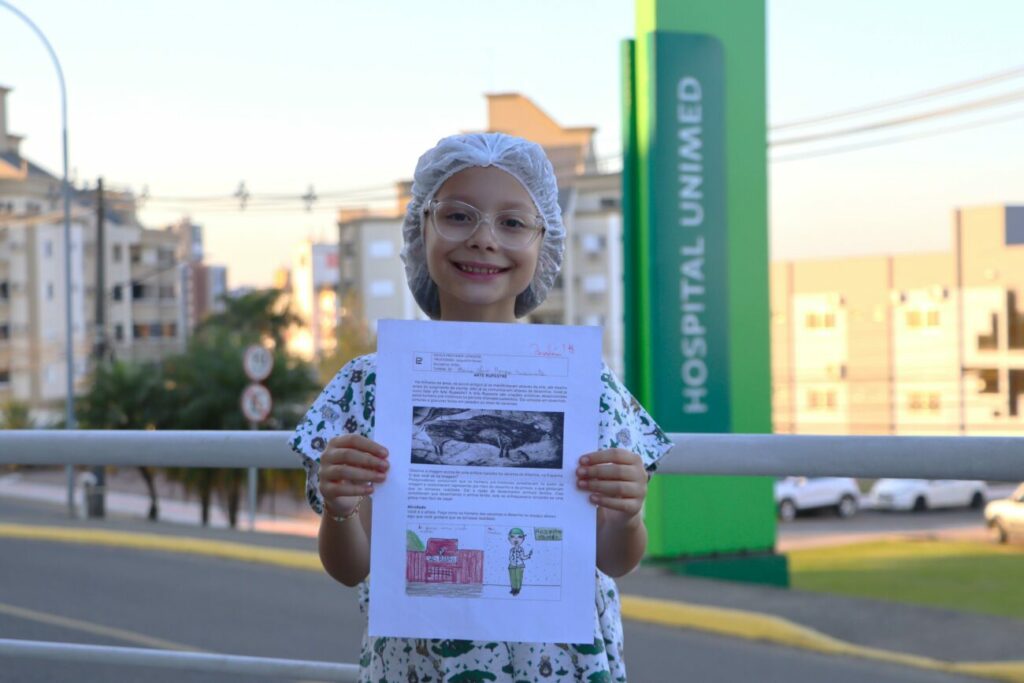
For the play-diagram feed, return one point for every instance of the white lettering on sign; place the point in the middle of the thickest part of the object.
(694, 343)
(689, 115)
(692, 291)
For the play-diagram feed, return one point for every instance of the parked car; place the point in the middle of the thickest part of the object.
(796, 494)
(925, 494)
(1006, 515)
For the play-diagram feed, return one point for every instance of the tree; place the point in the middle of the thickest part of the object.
(126, 395)
(205, 384)
(354, 337)
(16, 415)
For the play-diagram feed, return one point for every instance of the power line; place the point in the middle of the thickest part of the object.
(898, 101)
(897, 139)
(986, 103)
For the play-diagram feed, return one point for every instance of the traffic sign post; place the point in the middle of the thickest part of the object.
(256, 403)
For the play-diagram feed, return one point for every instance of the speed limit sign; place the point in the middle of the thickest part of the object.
(256, 403)
(258, 362)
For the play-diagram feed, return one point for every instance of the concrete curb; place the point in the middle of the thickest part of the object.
(720, 621)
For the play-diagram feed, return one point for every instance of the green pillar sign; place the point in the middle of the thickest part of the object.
(695, 211)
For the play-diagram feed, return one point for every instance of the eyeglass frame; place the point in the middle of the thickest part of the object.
(489, 218)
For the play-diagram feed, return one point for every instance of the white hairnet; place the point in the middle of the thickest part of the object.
(523, 160)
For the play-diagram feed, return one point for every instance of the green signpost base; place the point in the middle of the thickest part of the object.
(766, 569)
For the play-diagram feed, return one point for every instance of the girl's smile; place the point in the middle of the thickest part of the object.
(480, 272)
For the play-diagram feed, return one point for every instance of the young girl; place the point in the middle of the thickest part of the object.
(483, 242)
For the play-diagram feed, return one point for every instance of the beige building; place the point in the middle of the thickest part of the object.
(311, 284)
(913, 344)
(589, 288)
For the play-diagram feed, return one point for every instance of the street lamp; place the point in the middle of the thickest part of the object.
(69, 409)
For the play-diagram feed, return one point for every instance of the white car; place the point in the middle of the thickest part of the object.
(1006, 515)
(925, 494)
(796, 494)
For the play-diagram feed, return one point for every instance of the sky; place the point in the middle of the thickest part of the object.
(189, 98)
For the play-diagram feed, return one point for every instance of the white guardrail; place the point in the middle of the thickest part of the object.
(993, 458)
(775, 455)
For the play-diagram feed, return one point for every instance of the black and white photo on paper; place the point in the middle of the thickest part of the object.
(487, 438)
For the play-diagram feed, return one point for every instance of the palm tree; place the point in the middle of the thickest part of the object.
(205, 384)
(126, 396)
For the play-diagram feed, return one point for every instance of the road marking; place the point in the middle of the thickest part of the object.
(722, 621)
(94, 629)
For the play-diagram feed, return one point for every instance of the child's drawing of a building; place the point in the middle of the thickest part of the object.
(443, 562)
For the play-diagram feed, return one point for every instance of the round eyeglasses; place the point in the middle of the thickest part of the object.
(457, 221)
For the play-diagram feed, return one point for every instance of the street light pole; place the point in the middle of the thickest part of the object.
(69, 407)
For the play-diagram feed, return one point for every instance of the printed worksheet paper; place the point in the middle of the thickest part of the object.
(479, 532)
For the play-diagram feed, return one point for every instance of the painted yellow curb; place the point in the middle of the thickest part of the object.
(772, 629)
(722, 621)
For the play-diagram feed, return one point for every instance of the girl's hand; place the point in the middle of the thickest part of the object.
(617, 481)
(349, 467)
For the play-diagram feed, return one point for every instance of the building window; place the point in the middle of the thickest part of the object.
(5, 290)
(382, 249)
(5, 331)
(822, 400)
(923, 318)
(49, 291)
(382, 288)
(135, 252)
(595, 284)
(118, 253)
(990, 341)
(165, 257)
(815, 321)
(118, 332)
(609, 203)
(156, 330)
(924, 401)
(116, 293)
(166, 291)
(170, 329)
(593, 244)
(138, 291)
(5, 376)
(139, 331)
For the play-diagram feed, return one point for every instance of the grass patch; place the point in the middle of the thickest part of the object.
(970, 577)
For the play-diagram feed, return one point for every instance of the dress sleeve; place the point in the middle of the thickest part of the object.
(345, 406)
(625, 424)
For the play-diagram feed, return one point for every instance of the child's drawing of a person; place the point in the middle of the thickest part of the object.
(517, 556)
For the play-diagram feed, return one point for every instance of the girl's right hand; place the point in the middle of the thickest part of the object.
(349, 467)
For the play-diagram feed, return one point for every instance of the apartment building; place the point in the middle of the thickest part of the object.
(140, 293)
(913, 344)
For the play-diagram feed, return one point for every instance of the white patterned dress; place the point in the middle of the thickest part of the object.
(346, 406)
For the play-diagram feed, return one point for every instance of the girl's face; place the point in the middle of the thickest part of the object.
(477, 278)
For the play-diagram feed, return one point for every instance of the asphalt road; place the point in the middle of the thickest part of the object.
(821, 528)
(76, 592)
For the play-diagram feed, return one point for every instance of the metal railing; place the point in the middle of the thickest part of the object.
(994, 458)
(953, 457)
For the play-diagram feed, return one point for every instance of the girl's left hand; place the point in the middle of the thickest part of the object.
(616, 479)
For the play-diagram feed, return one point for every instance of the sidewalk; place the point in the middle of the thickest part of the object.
(127, 497)
(921, 631)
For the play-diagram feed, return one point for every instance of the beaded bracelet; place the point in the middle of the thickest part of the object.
(344, 518)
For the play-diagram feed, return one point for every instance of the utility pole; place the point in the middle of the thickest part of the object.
(95, 503)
